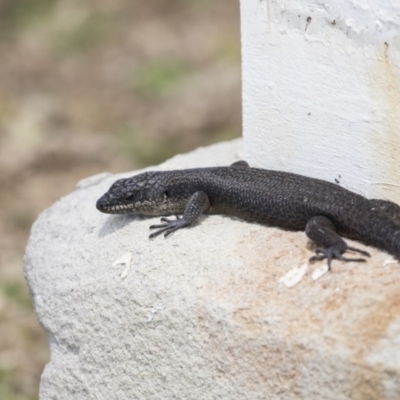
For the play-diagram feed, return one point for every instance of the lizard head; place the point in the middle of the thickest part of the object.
(142, 194)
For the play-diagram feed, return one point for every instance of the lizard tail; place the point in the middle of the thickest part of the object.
(384, 233)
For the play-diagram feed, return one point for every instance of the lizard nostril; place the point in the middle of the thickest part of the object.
(99, 204)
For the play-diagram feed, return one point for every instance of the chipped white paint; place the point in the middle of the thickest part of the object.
(321, 90)
(126, 260)
(390, 260)
(153, 312)
(319, 272)
(294, 276)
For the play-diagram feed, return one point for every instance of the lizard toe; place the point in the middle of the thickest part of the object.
(363, 252)
(168, 226)
(333, 252)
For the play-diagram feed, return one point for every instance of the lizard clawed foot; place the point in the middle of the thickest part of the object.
(168, 226)
(336, 253)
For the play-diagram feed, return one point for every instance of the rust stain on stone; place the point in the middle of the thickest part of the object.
(369, 382)
(375, 323)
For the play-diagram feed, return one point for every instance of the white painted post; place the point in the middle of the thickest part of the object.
(321, 90)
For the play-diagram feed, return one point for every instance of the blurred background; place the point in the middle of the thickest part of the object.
(94, 86)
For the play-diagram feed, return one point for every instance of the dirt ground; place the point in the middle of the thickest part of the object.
(88, 87)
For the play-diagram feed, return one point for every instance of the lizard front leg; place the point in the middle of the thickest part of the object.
(322, 231)
(195, 207)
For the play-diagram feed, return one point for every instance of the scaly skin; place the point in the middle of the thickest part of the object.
(322, 209)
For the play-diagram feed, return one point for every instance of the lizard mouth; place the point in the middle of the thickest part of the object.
(102, 206)
(118, 209)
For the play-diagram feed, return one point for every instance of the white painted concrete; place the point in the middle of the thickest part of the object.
(321, 90)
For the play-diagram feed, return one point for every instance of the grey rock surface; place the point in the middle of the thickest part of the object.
(204, 314)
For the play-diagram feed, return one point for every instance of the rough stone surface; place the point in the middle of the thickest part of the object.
(202, 314)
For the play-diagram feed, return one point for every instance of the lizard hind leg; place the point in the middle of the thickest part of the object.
(322, 231)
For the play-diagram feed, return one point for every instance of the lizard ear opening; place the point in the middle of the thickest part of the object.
(166, 195)
(240, 164)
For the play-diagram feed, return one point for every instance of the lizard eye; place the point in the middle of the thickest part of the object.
(131, 197)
